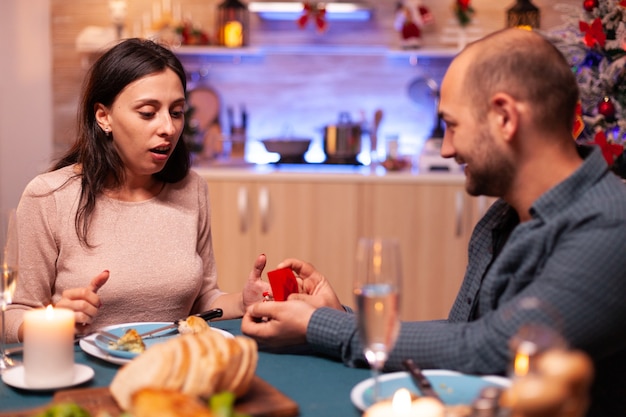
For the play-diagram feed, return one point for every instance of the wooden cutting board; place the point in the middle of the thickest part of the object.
(262, 400)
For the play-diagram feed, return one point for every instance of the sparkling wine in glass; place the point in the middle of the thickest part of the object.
(377, 296)
(9, 258)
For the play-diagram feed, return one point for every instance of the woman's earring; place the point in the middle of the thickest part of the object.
(107, 131)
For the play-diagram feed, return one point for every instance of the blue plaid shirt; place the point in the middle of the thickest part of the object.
(566, 268)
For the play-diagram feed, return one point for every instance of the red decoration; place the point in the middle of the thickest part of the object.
(607, 109)
(610, 150)
(411, 17)
(316, 12)
(622, 3)
(579, 124)
(464, 4)
(589, 5)
(594, 33)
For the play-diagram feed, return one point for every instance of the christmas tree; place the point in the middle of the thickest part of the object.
(593, 39)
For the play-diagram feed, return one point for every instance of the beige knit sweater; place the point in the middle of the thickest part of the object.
(159, 251)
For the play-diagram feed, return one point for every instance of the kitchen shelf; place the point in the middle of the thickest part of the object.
(222, 54)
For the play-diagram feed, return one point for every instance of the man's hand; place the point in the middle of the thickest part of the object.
(314, 287)
(278, 323)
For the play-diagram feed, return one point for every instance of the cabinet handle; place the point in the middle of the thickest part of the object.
(459, 213)
(242, 208)
(264, 208)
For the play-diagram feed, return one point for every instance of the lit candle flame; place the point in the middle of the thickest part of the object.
(401, 402)
(49, 312)
(521, 364)
(233, 34)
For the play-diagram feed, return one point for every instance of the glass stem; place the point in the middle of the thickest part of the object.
(3, 356)
(376, 396)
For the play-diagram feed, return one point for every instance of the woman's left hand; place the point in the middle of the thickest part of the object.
(255, 286)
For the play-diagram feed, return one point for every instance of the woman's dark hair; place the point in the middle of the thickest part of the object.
(101, 165)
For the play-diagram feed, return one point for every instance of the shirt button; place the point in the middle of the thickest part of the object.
(469, 300)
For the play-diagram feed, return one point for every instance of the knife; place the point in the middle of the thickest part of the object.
(207, 315)
(422, 383)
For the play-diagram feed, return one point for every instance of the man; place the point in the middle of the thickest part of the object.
(554, 237)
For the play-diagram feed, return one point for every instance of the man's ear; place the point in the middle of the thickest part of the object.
(504, 115)
(102, 117)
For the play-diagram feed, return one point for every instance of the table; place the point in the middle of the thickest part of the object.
(320, 386)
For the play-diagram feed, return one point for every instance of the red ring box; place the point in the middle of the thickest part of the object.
(283, 283)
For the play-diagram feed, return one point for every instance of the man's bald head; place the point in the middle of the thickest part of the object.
(524, 65)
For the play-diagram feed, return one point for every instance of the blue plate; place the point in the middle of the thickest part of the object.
(453, 387)
(103, 342)
(142, 327)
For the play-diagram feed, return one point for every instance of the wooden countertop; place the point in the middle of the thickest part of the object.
(233, 171)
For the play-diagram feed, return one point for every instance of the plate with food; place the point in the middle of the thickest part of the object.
(129, 343)
(454, 388)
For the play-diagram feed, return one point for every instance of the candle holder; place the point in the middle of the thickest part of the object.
(523, 14)
(233, 24)
(528, 343)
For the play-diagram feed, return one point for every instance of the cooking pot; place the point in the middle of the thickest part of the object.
(289, 149)
(343, 140)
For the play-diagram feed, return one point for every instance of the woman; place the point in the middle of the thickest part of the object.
(119, 229)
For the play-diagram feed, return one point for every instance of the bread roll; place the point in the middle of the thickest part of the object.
(156, 402)
(192, 324)
(198, 365)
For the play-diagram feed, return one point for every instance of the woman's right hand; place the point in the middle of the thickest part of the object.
(314, 287)
(84, 301)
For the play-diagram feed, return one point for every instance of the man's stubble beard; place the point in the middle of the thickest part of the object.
(488, 172)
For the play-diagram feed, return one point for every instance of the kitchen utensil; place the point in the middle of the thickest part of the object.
(425, 88)
(378, 116)
(207, 315)
(421, 382)
(289, 149)
(343, 140)
(204, 105)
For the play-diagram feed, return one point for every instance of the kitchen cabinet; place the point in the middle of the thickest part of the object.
(319, 218)
(313, 220)
(433, 222)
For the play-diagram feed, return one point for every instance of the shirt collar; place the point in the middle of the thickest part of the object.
(560, 196)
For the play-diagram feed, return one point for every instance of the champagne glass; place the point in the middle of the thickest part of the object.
(9, 259)
(377, 296)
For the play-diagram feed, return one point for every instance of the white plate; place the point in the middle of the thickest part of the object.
(15, 378)
(453, 387)
(91, 346)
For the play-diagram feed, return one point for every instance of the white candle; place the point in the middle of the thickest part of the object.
(48, 347)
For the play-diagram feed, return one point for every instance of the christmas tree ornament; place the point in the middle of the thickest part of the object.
(589, 5)
(610, 150)
(594, 33)
(607, 109)
(592, 59)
